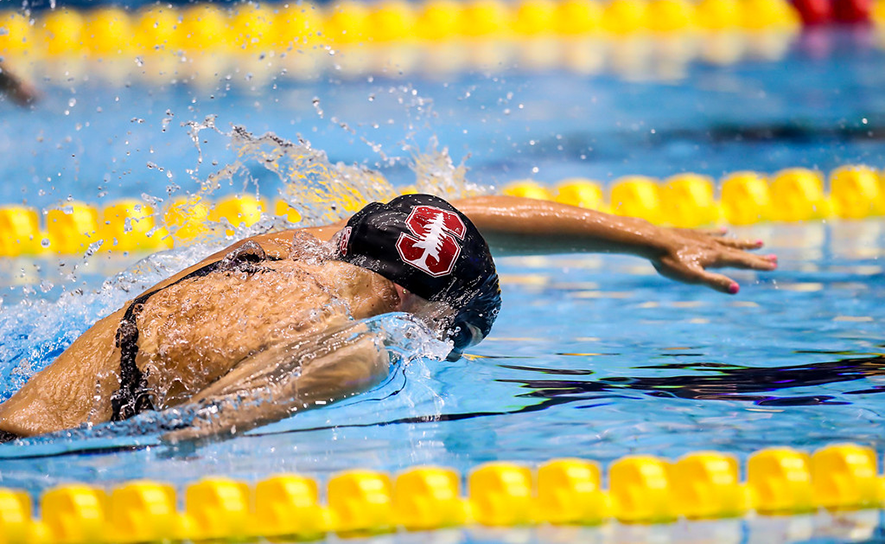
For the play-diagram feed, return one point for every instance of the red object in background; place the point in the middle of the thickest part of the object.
(815, 12)
(852, 11)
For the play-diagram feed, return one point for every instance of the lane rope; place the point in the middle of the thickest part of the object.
(684, 200)
(641, 489)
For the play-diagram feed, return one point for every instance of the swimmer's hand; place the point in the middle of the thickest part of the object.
(686, 255)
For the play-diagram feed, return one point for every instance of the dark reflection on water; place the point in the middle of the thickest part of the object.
(719, 382)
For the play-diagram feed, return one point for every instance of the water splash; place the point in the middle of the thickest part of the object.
(437, 174)
(321, 192)
(34, 331)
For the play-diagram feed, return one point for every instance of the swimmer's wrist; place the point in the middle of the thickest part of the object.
(643, 239)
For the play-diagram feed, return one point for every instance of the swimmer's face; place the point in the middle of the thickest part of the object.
(409, 301)
(437, 315)
(432, 312)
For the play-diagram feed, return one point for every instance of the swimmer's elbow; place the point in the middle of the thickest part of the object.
(349, 370)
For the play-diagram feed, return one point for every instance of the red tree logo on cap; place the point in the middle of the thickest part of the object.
(434, 248)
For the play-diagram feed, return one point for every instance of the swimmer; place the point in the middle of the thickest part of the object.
(271, 325)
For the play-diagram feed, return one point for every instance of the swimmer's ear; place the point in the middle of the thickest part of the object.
(249, 252)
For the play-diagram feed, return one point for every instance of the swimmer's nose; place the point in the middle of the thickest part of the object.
(401, 298)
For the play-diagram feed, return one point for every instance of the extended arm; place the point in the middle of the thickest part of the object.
(520, 226)
(514, 225)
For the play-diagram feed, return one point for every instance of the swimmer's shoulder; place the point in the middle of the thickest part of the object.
(279, 244)
(368, 294)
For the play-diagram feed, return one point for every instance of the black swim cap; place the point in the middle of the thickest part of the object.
(424, 244)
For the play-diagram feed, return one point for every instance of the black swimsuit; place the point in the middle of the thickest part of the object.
(134, 396)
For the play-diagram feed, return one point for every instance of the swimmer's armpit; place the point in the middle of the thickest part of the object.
(284, 379)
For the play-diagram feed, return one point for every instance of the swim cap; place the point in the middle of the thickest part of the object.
(424, 244)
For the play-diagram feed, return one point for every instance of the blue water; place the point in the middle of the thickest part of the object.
(591, 356)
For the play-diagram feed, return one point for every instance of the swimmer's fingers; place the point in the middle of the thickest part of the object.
(741, 259)
(694, 272)
(719, 282)
(740, 243)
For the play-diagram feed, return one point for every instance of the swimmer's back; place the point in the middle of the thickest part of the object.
(195, 331)
(192, 331)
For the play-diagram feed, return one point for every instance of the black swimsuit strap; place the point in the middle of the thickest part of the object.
(134, 396)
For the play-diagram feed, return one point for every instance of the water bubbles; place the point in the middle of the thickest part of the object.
(166, 120)
(93, 247)
(45, 243)
(194, 129)
(139, 61)
(316, 106)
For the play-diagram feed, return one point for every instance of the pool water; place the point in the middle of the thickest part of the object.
(592, 356)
